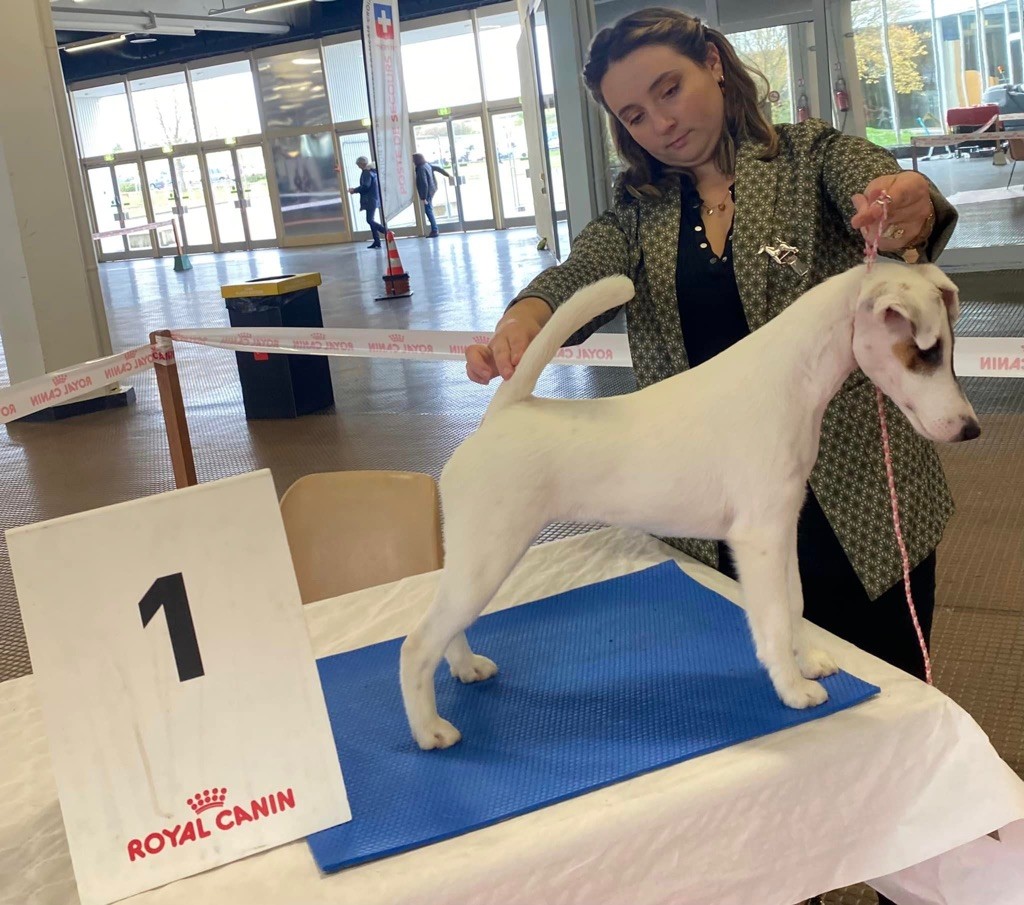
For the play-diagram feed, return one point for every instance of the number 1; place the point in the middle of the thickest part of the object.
(169, 593)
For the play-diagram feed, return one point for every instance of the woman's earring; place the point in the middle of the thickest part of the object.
(721, 83)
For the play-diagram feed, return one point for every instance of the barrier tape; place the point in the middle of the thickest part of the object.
(959, 138)
(132, 229)
(424, 345)
(65, 386)
(973, 357)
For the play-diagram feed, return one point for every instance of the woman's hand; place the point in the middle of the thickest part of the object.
(515, 331)
(503, 353)
(909, 210)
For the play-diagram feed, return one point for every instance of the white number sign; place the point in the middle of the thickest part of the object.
(186, 721)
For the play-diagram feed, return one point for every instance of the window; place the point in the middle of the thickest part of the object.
(225, 100)
(915, 76)
(103, 121)
(499, 58)
(163, 112)
(346, 81)
(294, 91)
(873, 71)
(443, 57)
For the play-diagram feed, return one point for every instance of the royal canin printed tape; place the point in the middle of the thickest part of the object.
(973, 356)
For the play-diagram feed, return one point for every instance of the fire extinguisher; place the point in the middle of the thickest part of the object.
(841, 96)
(803, 109)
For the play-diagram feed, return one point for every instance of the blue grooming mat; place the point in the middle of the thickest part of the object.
(595, 686)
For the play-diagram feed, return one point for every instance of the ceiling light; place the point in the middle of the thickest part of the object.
(307, 61)
(141, 39)
(93, 42)
(277, 5)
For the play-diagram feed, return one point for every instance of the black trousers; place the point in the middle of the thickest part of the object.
(835, 599)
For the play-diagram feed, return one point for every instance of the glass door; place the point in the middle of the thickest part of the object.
(514, 187)
(224, 190)
(132, 205)
(352, 146)
(192, 207)
(434, 142)
(162, 201)
(471, 175)
(257, 210)
(306, 170)
(242, 208)
(768, 50)
(106, 210)
(119, 201)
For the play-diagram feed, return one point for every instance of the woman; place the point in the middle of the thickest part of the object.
(369, 198)
(710, 192)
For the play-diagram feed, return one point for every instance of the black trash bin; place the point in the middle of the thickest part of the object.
(276, 385)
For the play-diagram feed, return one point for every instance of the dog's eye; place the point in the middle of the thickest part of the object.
(933, 356)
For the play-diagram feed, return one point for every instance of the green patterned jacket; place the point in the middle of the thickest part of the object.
(801, 196)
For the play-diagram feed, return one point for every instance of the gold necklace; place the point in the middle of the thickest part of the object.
(708, 209)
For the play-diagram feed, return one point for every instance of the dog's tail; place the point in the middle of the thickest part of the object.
(586, 304)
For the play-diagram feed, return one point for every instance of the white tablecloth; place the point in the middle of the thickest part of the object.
(907, 778)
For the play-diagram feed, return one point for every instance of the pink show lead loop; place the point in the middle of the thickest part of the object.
(870, 256)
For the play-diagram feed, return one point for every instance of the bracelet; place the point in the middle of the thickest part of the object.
(911, 252)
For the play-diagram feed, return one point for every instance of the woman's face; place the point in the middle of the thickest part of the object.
(672, 106)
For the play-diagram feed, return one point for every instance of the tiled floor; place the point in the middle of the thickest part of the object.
(412, 415)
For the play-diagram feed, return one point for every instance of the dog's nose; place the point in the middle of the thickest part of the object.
(970, 431)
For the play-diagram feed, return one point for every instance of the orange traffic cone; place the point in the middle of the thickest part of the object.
(396, 280)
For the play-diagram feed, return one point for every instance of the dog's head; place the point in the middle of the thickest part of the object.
(903, 341)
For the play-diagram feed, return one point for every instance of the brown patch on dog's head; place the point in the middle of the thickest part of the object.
(920, 361)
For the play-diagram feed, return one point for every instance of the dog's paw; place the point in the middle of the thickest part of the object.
(438, 733)
(803, 694)
(475, 669)
(815, 663)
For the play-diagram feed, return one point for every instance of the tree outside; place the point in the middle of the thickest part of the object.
(909, 53)
(767, 51)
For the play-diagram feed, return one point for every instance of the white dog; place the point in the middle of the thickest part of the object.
(722, 451)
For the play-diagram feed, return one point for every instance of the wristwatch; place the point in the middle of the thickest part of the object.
(911, 252)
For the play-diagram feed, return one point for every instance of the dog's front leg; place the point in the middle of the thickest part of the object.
(814, 663)
(762, 560)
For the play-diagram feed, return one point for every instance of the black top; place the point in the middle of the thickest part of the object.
(713, 319)
(709, 303)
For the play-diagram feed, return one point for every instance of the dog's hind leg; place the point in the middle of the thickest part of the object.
(813, 662)
(761, 560)
(468, 583)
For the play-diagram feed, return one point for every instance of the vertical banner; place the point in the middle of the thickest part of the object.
(388, 107)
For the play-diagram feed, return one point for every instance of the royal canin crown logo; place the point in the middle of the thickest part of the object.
(318, 336)
(226, 819)
(397, 337)
(208, 798)
(60, 379)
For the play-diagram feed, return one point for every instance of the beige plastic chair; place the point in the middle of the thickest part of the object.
(349, 530)
(1015, 150)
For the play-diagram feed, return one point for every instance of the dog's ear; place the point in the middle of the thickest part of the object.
(895, 311)
(951, 299)
(950, 291)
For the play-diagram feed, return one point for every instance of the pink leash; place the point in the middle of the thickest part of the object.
(870, 256)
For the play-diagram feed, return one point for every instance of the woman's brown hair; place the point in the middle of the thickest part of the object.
(744, 119)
